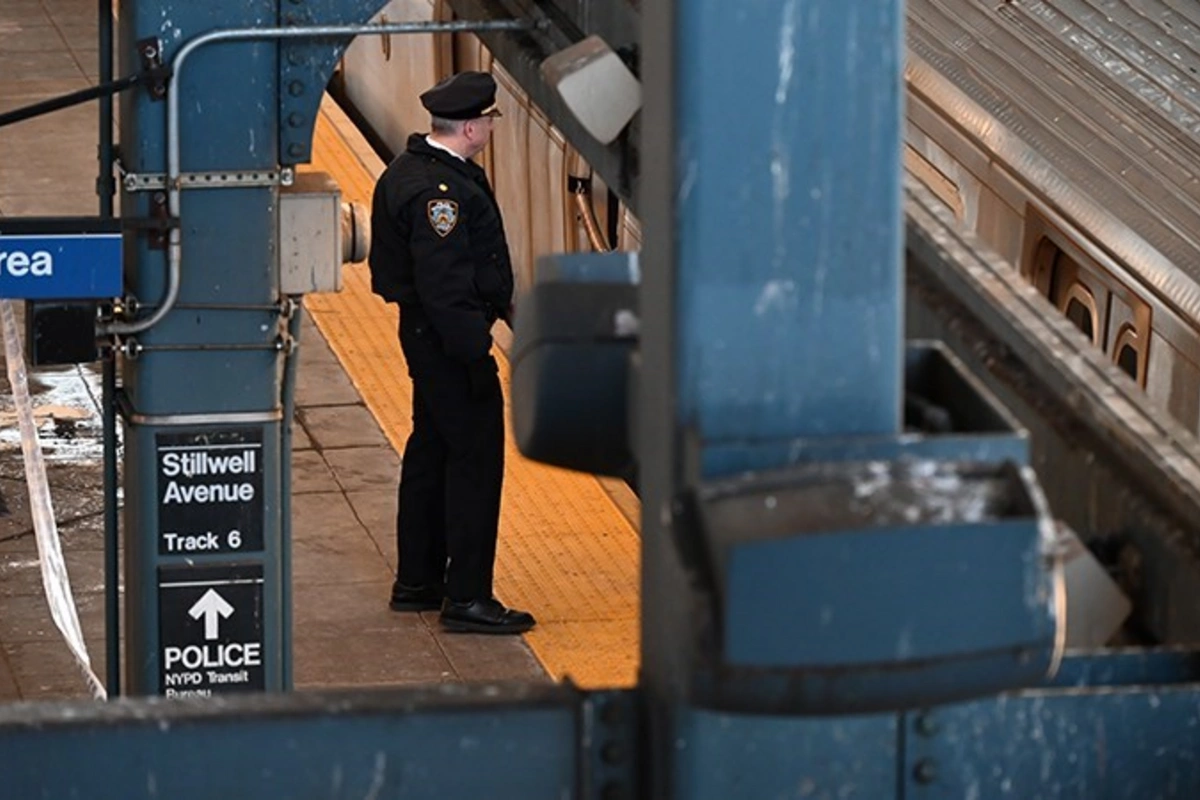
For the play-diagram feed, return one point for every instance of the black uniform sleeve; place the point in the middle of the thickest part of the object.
(383, 259)
(444, 273)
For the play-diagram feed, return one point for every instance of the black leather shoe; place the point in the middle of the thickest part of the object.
(418, 598)
(484, 616)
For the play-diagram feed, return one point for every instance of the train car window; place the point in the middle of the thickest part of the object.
(1129, 333)
(1080, 307)
(1039, 269)
(1070, 289)
(1125, 353)
(1090, 292)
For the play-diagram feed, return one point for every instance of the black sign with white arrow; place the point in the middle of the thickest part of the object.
(210, 629)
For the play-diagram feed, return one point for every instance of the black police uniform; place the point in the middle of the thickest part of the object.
(439, 251)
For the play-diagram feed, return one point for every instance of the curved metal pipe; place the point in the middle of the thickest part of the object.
(591, 226)
(579, 184)
(174, 245)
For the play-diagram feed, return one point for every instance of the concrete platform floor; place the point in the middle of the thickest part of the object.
(344, 469)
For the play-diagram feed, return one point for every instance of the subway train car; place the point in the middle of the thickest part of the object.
(1063, 133)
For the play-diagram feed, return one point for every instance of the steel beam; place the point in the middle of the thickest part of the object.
(1082, 739)
(770, 198)
(502, 741)
(1127, 743)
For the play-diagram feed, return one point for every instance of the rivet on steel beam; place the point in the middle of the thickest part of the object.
(296, 88)
(293, 57)
(295, 119)
(925, 771)
(926, 724)
(295, 149)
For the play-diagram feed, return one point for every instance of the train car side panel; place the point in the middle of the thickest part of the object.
(383, 76)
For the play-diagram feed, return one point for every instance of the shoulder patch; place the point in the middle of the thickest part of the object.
(443, 215)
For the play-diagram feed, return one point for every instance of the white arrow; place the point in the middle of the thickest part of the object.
(211, 605)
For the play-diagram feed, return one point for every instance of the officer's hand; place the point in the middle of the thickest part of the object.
(482, 375)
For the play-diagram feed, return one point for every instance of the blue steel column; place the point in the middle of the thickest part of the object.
(771, 286)
(787, 219)
(228, 122)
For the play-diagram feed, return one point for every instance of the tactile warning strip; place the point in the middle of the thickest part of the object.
(567, 552)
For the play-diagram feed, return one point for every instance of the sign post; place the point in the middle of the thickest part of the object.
(205, 349)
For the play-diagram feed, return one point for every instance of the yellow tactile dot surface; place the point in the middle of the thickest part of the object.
(566, 551)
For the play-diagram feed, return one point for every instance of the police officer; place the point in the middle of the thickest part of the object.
(438, 250)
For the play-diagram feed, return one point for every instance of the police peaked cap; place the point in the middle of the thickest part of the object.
(466, 95)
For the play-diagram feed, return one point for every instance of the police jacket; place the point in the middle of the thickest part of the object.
(437, 244)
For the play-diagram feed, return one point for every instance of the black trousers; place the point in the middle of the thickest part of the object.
(453, 466)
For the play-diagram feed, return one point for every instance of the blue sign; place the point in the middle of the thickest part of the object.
(60, 266)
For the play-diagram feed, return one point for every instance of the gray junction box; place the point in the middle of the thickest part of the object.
(310, 235)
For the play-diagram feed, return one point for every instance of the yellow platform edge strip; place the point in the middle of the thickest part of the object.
(567, 553)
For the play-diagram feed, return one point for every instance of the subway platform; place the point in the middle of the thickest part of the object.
(344, 465)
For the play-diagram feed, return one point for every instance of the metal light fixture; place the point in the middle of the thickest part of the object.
(596, 86)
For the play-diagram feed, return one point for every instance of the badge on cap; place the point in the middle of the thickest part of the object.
(443, 216)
